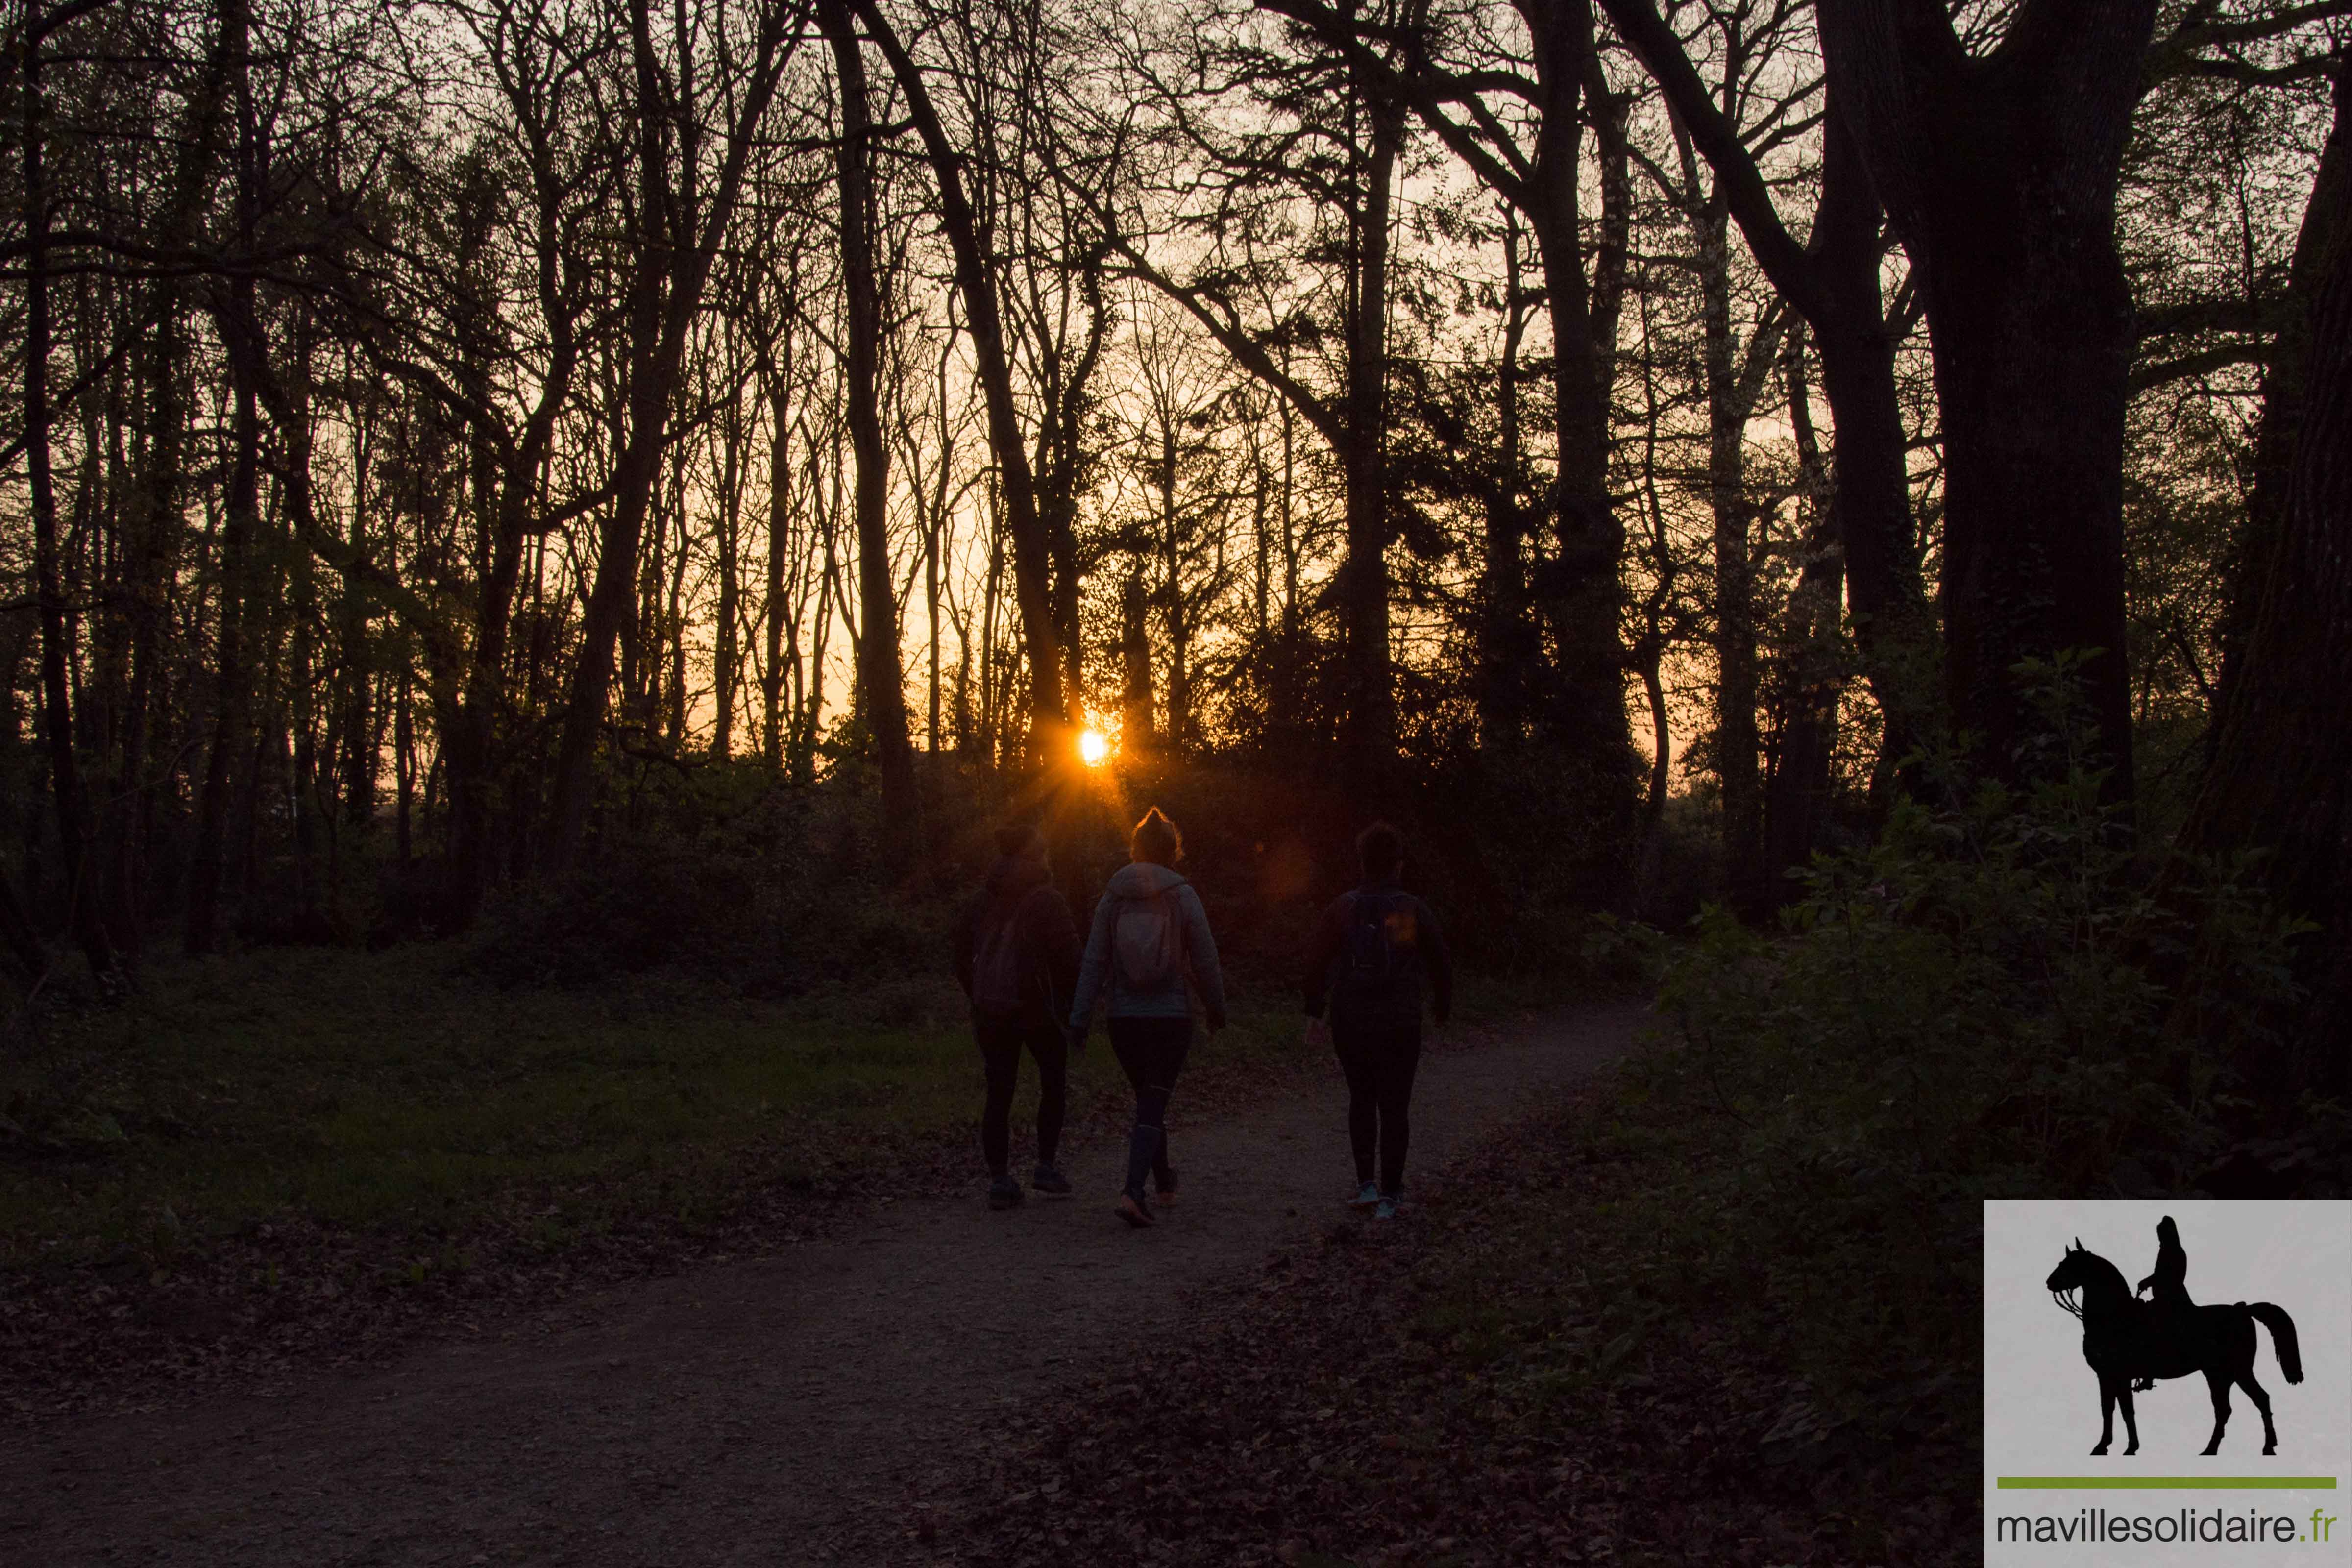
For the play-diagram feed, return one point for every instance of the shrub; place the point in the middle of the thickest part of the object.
(1981, 1005)
(779, 898)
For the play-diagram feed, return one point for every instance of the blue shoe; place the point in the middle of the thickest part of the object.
(1366, 1196)
(1389, 1204)
(1046, 1179)
(1004, 1193)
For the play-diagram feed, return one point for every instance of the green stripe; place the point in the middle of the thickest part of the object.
(2167, 1483)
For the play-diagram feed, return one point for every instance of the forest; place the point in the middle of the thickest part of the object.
(451, 436)
(1833, 514)
(435, 418)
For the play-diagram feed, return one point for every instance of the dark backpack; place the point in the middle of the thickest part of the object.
(998, 962)
(1147, 939)
(1379, 946)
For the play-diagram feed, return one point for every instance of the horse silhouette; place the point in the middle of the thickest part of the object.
(2124, 1339)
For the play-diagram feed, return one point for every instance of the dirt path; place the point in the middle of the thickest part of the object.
(771, 1411)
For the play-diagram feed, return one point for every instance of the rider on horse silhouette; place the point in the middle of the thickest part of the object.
(2171, 1280)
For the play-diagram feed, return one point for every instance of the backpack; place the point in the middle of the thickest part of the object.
(997, 964)
(1148, 941)
(1379, 948)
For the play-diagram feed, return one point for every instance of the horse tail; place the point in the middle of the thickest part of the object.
(2282, 1340)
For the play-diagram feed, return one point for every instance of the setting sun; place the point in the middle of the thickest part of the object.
(1094, 747)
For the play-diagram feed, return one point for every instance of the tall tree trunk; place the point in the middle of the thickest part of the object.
(241, 520)
(85, 899)
(403, 773)
(1834, 285)
(1736, 740)
(2326, 225)
(362, 719)
(726, 657)
(1171, 599)
(780, 506)
(1893, 625)
(154, 520)
(1509, 649)
(931, 627)
(879, 678)
(674, 610)
(1139, 724)
(302, 715)
(1797, 796)
(2000, 175)
(1580, 593)
(673, 264)
(1364, 595)
(1050, 715)
(2281, 779)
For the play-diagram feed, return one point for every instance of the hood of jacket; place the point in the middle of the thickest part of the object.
(1141, 880)
(1013, 875)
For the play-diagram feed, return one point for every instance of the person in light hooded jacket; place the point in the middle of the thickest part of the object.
(1151, 937)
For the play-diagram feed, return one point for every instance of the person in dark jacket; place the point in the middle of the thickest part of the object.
(1151, 937)
(1373, 949)
(1016, 956)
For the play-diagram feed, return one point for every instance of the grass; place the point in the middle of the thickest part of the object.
(391, 1090)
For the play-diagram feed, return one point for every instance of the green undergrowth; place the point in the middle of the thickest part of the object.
(403, 1089)
(397, 1089)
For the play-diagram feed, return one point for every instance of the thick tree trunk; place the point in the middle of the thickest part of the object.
(2326, 225)
(879, 678)
(1872, 504)
(2281, 776)
(1580, 592)
(2000, 175)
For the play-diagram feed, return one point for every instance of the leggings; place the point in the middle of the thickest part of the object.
(1001, 1040)
(1379, 1061)
(1151, 1052)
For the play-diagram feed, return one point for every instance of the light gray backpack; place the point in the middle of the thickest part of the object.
(1147, 939)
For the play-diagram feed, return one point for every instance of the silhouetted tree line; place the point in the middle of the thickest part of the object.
(433, 416)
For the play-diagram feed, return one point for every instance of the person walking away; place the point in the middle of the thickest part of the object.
(1372, 950)
(1016, 956)
(1149, 937)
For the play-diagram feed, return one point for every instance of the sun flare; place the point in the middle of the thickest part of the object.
(1094, 748)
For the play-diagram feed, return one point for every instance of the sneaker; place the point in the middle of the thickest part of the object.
(1366, 1196)
(1166, 1186)
(1046, 1179)
(1390, 1205)
(1004, 1193)
(1136, 1212)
